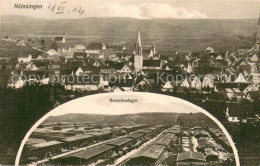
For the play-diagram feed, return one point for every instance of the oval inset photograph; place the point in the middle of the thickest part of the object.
(128, 129)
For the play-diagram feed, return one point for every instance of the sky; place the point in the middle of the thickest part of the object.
(141, 9)
(100, 104)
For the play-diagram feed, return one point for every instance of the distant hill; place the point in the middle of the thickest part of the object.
(134, 119)
(176, 33)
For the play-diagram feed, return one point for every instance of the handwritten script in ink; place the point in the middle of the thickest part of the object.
(61, 8)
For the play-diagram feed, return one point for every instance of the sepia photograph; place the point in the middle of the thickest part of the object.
(55, 52)
(142, 133)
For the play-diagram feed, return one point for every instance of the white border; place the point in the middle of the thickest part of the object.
(143, 94)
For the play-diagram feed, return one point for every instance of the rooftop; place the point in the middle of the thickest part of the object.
(91, 152)
(150, 151)
(78, 137)
(119, 141)
(45, 144)
(191, 155)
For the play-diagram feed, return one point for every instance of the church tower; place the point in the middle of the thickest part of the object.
(153, 48)
(138, 53)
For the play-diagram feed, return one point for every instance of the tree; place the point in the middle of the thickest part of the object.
(54, 46)
(42, 41)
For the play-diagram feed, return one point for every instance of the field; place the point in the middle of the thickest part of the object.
(167, 34)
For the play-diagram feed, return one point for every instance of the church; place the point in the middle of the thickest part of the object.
(138, 53)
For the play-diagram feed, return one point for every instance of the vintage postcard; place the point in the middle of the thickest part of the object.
(130, 82)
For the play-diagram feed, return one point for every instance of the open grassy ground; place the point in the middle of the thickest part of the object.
(167, 34)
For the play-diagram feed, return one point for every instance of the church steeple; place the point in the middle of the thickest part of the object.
(154, 49)
(138, 54)
(138, 39)
(138, 44)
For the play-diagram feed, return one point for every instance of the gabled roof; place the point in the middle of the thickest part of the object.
(116, 47)
(121, 82)
(164, 57)
(80, 47)
(119, 141)
(150, 151)
(165, 141)
(240, 110)
(13, 78)
(254, 95)
(86, 79)
(78, 137)
(95, 46)
(152, 63)
(79, 55)
(245, 47)
(135, 135)
(222, 86)
(108, 52)
(91, 152)
(58, 38)
(92, 69)
(186, 156)
(45, 144)
(34, 74)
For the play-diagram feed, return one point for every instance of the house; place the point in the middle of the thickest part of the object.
(239, 112)
(124, 84)
(95, 48)
(168, 86)
(95, 56)
(15, 81)
(52, 52)
(136, 136)
(86, 70)
(117, 48)
(149, 155)
(147, 53)
(255, 78)
(209, 50)
(121, 144)
(98, 63)
(211, 155)
(245, 88)
(96, 155)
(31, 66)
(32, 77)
(196, 83)
(104, 81)
(254, 57)
(234, 93)
(55, 68)
(41, 57)
(106, 69)
(238, 94)
(25, 58)
(252, 96)
(79, 48)
(186, 83)
(241, 79)
(41, 149)
(20, 43)
(107, 53)
(117, 89)
(82, 82)
(126, 69)
(152, 64)
(244, 49)
(59, 39)
(208, 81)
(187, 158)
(79, 55)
